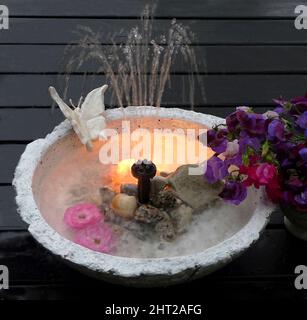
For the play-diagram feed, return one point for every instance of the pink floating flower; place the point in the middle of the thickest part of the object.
(82, 215)
(97, 237)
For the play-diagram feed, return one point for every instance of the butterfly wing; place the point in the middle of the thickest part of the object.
(68, 112)
(74, 116)
(93, 104)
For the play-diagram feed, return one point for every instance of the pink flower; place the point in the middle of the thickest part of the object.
(265, 173)
(259, 174)
(97, 237)
(82, 215)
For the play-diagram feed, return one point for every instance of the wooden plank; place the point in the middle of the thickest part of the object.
(61, 30)
(9, 218)
(28, 124)
(170, 8)
(220, 89)
(9, 156)
(217, 59)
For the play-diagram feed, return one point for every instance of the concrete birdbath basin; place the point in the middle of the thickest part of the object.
(56, 172)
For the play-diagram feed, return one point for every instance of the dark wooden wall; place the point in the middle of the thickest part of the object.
(253, 53)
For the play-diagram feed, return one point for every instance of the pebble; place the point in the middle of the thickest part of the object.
(157, 184)
(129, 188)
(149, 214)
(166, 200)
(124, 205)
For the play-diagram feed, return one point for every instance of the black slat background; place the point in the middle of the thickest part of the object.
(252, 54)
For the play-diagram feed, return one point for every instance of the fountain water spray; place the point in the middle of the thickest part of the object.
(139, 69)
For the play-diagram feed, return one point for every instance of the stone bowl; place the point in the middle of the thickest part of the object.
(41, 191)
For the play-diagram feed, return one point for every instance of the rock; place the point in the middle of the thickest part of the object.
(164, 174)
(182, 217)
(149, 214)
(106, 195)
(194, 190)
(124, 205)
(129, 188)
(166, 200)
(157, 184)
(165, 229)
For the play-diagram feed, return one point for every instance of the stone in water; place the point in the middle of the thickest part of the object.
(193, 189)
(124, 205)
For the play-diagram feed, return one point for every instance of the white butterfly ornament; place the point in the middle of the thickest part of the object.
(87, 118)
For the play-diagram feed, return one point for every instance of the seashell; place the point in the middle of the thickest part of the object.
(194, 190)
(124, 205)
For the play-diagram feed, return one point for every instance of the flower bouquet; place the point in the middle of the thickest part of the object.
(268, 150)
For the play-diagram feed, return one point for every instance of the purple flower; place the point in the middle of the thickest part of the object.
(232, 121)
(247, 141)
(301, 199)
(276, 130)
(303, 153)
(216, 169)
(252, 123)
(234, 192)
(302, 120)
(299, 105)
(217, 140)
(279, 110)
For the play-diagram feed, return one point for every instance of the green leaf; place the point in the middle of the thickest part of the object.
(245, 159)
(265, 148)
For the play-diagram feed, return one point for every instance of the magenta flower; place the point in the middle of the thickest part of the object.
(82, 215)
(97, 237)
(216, 169)
(265, 173)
